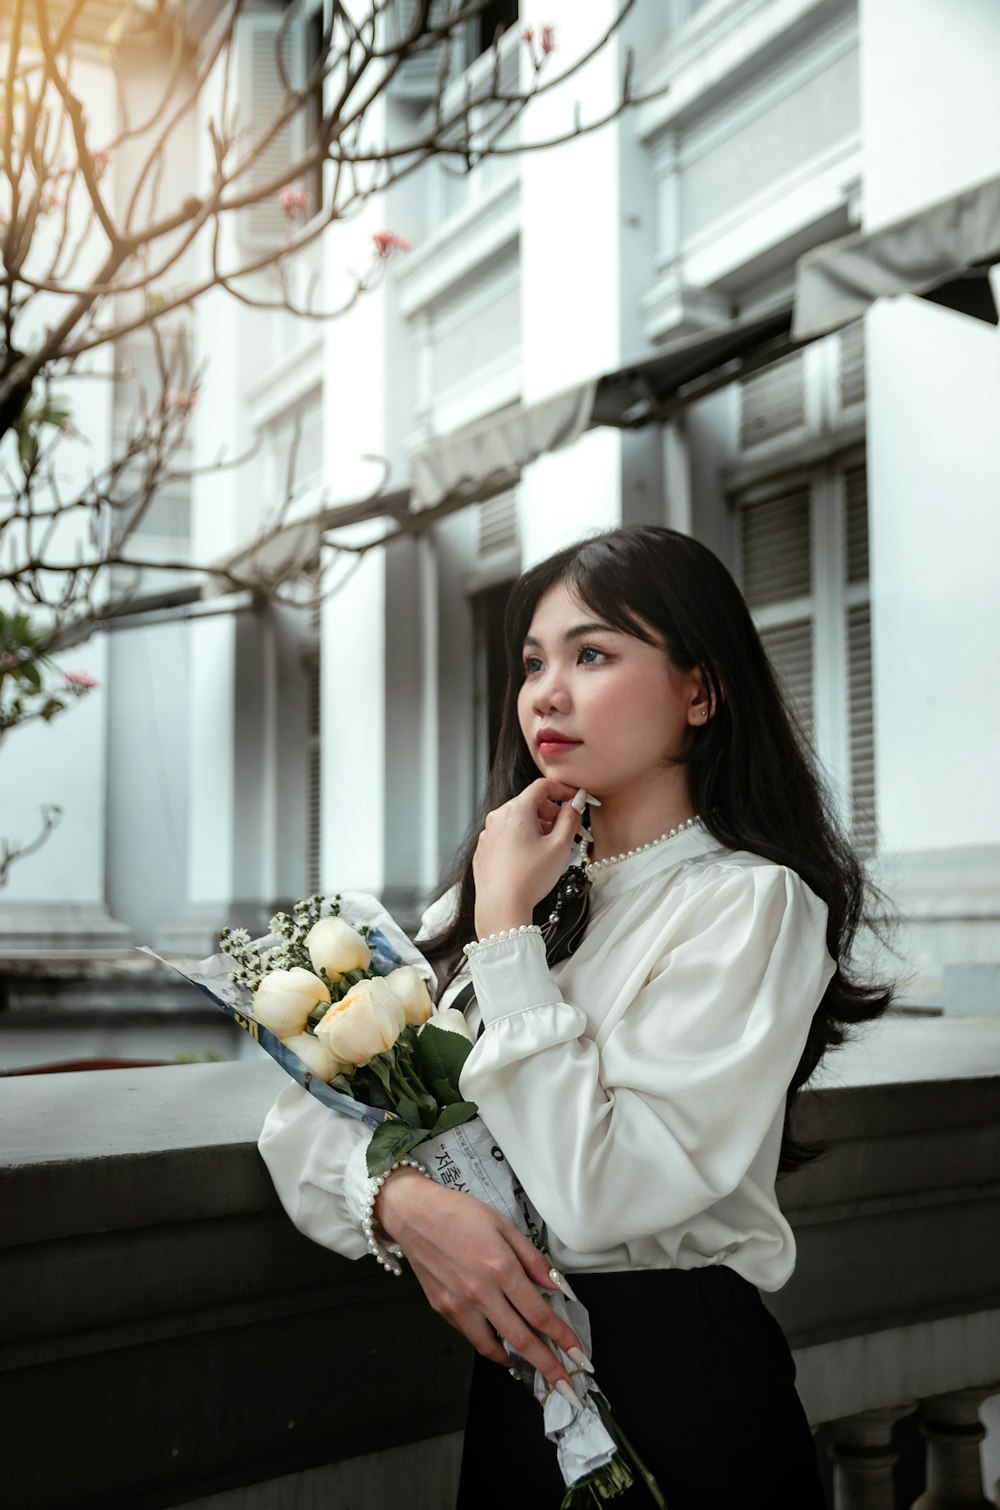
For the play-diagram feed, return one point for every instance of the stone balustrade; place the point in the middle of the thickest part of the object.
(167, 1338)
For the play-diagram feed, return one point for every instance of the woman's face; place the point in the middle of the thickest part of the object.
(599, 708)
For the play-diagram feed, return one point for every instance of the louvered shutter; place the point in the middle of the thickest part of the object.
(776, 562)
(860, 712)
(851, 376)
(776, 549)
(773, 402)
(861, 726)
(420, 76)
(790, 651)
(497, 524)
(856, 524)
(262, 97)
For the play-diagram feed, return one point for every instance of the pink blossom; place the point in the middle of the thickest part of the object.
(548, 38)
(48, 200)
(528, 35)
(294, 201)
(101, 162)
(181, 401)
(80, 682)
(387, 242)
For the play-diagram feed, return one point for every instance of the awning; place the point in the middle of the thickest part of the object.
(486, 457)
(469, 466)
(956, 239)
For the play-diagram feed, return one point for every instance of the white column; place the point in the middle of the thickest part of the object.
(934, 479)
(586, 257)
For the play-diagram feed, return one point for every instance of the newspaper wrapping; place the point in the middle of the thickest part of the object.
(468, 1158)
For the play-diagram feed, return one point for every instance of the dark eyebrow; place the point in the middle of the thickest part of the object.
(576, 633)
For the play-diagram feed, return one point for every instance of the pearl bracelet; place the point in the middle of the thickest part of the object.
(498, 938)
(387, 1255)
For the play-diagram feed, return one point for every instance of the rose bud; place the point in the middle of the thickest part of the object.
(336, 947)
(367, 1021)
(410, 987)
(450, 1021)
(315, 1055)
(284, 999)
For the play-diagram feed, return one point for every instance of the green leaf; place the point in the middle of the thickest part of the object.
(442, 1056)
(29, 672)
(390, 1142)
(454, 1116)
(49, 710)
(27, 446)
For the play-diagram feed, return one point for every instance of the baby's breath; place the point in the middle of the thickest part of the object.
(251, 963)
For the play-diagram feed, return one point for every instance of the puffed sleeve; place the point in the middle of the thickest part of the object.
(660, 1116)
(317, 1158)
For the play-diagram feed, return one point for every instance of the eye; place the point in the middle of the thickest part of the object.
(589, 651)
(531, 664)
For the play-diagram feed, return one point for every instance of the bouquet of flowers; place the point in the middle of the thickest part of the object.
(338, 995)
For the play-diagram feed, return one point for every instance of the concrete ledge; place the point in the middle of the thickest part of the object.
(164, 1311)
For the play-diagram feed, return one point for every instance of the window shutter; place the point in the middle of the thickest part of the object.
(261, 99)
(773, 401)
(851, 342)
(497, 524)
(861, 728)
(856, 523)
(790, 650)
(776, 549)
(419, 78)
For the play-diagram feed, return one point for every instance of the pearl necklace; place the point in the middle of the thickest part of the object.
(593, 866)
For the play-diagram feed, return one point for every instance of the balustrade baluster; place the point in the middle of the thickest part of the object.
(863, 1458)
(953, 1431)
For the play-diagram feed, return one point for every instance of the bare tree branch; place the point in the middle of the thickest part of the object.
(84, 258)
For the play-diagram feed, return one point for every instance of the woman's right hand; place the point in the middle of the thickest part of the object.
(477, 1270)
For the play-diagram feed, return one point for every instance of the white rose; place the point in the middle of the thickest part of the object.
(366, 1022)
(410, 987)
(284, 999)
(450, 1021)
(336, 947)
(314, 1055)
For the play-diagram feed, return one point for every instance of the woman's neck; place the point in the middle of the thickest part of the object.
(624, 821)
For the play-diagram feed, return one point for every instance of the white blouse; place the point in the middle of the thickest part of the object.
(637, 1087)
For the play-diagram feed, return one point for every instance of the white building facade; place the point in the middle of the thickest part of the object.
(851, 485)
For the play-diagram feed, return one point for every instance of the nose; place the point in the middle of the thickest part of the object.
(550, 693)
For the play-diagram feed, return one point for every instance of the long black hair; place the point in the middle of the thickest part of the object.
(752, 774)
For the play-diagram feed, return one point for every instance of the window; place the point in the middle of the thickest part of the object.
(261, 96)
(420, 77)
(803, 549)
(802, 553)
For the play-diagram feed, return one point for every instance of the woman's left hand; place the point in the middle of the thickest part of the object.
(521, 854)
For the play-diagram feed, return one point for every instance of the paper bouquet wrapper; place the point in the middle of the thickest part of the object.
(468, 1158)
(213, 976)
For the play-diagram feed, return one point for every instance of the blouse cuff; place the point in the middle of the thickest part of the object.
(357, 1183)
(512, 975)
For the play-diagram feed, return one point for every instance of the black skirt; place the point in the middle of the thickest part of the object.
(701, 1380)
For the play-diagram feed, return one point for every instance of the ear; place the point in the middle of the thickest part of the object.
(703, 702)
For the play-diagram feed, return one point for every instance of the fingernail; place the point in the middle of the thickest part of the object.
(513, 1371)
(580, 800)
(562, 1283)
(569, 1393)
(580, 1358)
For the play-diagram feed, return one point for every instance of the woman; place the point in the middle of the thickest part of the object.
(640, 1085)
